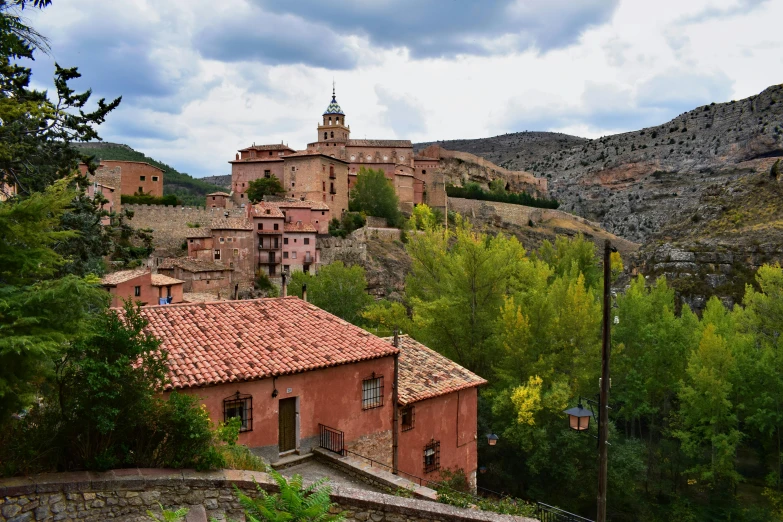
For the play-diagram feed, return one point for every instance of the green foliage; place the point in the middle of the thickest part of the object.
(474, 191)
(373, 194)
(293, 503)
(258, 188)
(263, 283)
(149, 199)
(338, 289)
(425, 218)
(168, 515)
(350, 221)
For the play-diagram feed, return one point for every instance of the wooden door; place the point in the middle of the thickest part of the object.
(287, 424)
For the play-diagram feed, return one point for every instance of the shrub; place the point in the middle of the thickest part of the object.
(258, 188)
(474, 191)
(350, 221)
(293, 503)
(149, 199)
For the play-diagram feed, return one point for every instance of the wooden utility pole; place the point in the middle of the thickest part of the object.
(395, 407)
(603, 403)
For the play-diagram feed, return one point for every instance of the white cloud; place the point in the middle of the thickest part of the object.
(192, 103)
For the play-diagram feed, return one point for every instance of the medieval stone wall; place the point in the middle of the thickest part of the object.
(125, 495)
(349, 250)
(170, 225)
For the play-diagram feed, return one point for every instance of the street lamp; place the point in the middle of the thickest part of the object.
(492, 439)
(579, 417)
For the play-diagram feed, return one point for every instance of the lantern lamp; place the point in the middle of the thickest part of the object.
(492, 439)
(579, 417)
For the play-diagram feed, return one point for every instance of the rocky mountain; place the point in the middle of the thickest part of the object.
(223, 181)
(637, 182)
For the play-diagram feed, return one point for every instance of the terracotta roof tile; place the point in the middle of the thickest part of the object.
(192, 265)
(299, 227)
(230, 223)
(218, 194)
(424, 373)
(163, 280)
(229, 341)
(198, 232)
(122, 276)
(297, 203)
(261, 208)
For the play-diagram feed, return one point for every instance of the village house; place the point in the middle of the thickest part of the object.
(326, 170)
(219, 200)
(200, 275)
(135, 177)
(299, 377)
(141, 285)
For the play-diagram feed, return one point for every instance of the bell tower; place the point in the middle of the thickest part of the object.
(333, 128)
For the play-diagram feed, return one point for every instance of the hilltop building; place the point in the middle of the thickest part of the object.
(133, 177)
(325, 171)
(299, 377)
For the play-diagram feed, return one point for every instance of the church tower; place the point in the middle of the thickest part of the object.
(333, 129)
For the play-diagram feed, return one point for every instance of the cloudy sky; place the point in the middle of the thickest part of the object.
(201, 79)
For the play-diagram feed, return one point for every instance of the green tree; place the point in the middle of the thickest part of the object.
(425, 218)
(258, 188)
(338, 289)
(40, 313)
(374, 195)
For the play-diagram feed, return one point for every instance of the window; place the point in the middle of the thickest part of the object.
(406, 414)
(286, 268)
(325, 135)
(222, 240)
(307, 240)
(137, 291)
(323, 186)
(423, 171)
(293, 169)
(293, 255)
(285, 255)
(285, 240)
(372, 392)
(236, 251)
(432, 456)
(239, 405)
(277, 226)
(213, 198)
(141, 190)
(267, 173)
(142, 178)
(154, 178)
(332, 134)
(260, 226)
(217, 255)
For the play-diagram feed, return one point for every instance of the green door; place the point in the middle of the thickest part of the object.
(287, 422)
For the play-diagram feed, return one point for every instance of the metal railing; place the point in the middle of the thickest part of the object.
(547, 513)
(331, 439)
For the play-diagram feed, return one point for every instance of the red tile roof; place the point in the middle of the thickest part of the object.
(163, 280)
(424, 373)
(299, 227)
(260, 209)
(297, 203)
(192, 265)
(116, 278)
(229, 341)
(230, 223)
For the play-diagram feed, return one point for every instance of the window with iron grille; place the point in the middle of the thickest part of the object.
(372, 392)
(432, 456)
(407, 415)
(239, 405)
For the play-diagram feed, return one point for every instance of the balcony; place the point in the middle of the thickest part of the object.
(275, 246)
(332, 190)
(308, 259)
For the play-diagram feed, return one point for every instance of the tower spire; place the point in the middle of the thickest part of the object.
(334, 96)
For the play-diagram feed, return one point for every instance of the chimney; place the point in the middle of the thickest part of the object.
(284, 289)
(304, 293)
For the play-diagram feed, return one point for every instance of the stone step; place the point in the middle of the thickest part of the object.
(291, 460)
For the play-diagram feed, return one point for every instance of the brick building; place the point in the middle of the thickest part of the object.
(142, 285)
(199, 275)
(327, 168)
(293, 372)
(134, 176)
(218, 200)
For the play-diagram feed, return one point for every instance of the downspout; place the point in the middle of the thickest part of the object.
(395, 406)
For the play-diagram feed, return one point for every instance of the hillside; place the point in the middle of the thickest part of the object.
(189, 190)
(637, 182)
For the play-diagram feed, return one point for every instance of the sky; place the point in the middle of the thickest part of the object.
(201, 79)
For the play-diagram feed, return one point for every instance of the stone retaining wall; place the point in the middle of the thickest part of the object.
(125, 495)
(519, 215)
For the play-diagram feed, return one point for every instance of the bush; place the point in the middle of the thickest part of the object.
(350, 221)
(474, 191)
(373, 194)
(293, 503)
(148, 199)
(258, 188)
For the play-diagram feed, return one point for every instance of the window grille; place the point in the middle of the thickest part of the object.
(407, 416)
(432, 456)
(239, 405)
(372, 392)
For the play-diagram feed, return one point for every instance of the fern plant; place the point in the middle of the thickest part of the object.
(294, 502)
(168, 515)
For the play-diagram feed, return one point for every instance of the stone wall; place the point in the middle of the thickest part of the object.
(377, 446)
(125, 496)
(349, 250)
(169, 225)
(365, 233)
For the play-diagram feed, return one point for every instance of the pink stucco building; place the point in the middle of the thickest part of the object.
(290, 371)
(141, 285)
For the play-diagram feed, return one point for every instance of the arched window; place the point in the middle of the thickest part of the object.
(325, 135)
(332, 134)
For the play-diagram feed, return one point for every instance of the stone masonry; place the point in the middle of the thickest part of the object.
(125, 495)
